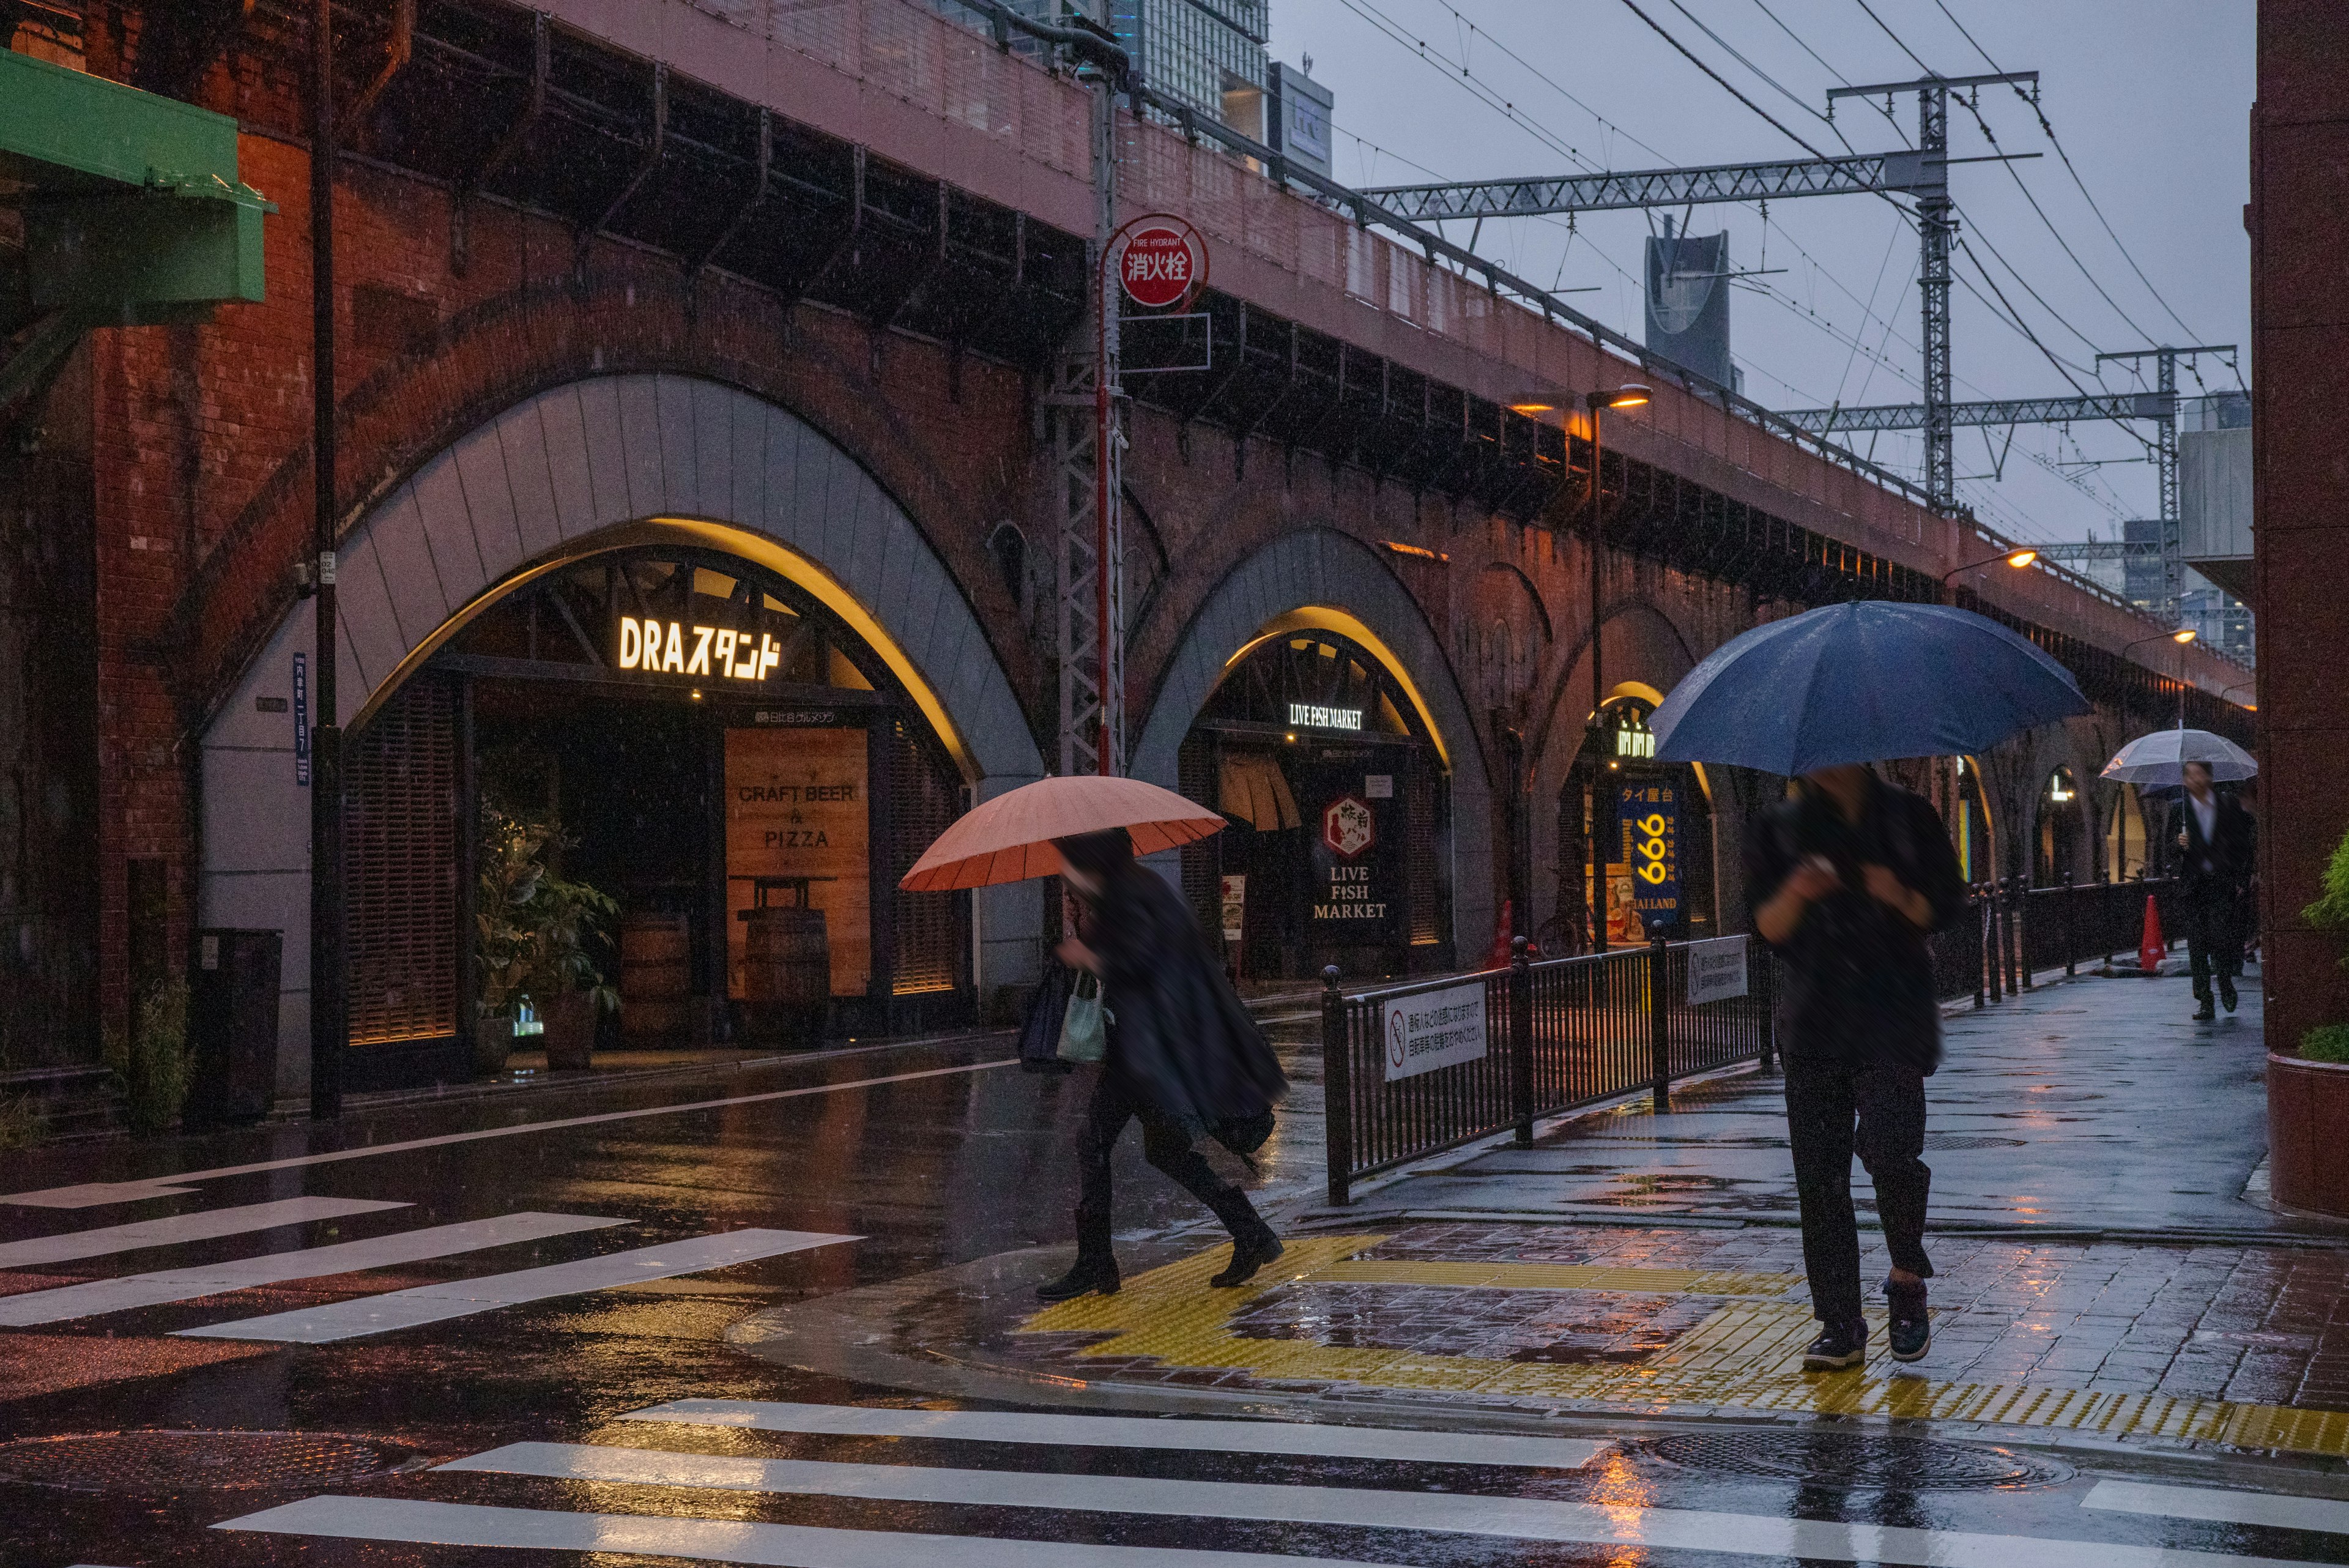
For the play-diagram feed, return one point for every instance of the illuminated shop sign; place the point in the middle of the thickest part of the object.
(1635, 738)
(1308, 715)
(675, 647)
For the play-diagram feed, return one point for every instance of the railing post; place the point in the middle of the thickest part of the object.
(1660, 1017)
(2071, 947)
(1762, 962)
(1336, 1090)
(1521, 1041)
(2021, 919)
(1974, 943)
(1993, 942)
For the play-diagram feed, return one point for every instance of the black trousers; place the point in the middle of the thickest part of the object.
(1165, 1144)
(1834, 1109)
(2214, 944)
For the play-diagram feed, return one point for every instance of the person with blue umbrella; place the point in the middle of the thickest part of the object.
(1845, 879)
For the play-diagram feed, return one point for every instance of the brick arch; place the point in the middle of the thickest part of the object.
(554, 474)
(1322, 567)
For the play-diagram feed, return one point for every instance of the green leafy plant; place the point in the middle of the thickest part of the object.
(2326, 1043)
(2331, 910)
(535, 932)
(150, 1058)
(20, 1122)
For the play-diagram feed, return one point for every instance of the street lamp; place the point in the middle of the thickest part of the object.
(2017, 559)
(1630, 395)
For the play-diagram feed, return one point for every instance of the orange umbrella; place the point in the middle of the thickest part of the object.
(1010, 839)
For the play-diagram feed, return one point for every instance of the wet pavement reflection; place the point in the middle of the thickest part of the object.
(894, 1207)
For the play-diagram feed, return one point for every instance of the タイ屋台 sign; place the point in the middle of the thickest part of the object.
(1650, 816)
(1161, 261)
(1435, 1029)
(1313, 716)
(678, 647)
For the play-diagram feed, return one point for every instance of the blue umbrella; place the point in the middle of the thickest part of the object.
(1862, 682)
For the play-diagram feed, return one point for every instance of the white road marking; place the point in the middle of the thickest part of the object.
(461, 1298)
(1516, 1518)
(205, 1227)
(277, 1268)
(2224, 1507)
(719, 1540)
(92, 1194)
(1295, 1438)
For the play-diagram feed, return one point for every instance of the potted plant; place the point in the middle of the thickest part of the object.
(2308, 1094)
(534, 932)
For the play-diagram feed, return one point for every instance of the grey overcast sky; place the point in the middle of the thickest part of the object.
(2151, 98)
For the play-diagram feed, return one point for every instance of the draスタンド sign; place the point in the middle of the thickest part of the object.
(675, 647)
(1716, 970)
(1435, 1029)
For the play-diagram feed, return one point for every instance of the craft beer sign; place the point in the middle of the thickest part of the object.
(675, 647)
(1161, 260)
(1435, 1029)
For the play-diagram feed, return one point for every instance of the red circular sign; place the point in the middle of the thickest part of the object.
(1163, 261)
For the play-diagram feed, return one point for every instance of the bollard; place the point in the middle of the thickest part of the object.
(1337, 1087)
(1660, 1018)
(1521, 1041)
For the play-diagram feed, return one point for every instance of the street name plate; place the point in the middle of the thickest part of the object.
(1435, 1029)
(1716, 970)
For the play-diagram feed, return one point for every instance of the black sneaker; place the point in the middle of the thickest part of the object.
(1250, 1252)
(1089, 1276)
(1843, 1345)
(1912, 1328)
(2205, 1012)
(2227, 995)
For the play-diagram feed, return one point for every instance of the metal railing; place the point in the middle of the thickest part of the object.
(1554, 1035)
(2013, 932)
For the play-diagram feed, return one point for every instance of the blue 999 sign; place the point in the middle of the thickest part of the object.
(1650, 815)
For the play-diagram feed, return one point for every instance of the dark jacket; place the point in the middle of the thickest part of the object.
(1858, 977)
(2226, 860)
(1182, 1037)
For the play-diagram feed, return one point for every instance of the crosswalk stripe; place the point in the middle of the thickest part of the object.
(94, 1194)
(460, 1298)
(720, 1540)
(205, 1227)
(1517, 1518)
(2320, 1513)
(1292, 1437)
(166, 1285)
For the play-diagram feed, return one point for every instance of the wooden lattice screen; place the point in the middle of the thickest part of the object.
(931, 938)
(401, 856)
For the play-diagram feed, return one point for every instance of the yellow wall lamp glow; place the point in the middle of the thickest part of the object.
(1321, 617)
(756, 548)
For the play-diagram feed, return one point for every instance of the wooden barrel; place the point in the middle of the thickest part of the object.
(655, 976)
(786, 958)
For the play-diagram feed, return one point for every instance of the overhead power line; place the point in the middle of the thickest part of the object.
(1633, 6)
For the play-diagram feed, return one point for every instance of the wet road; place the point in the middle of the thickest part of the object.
(496, 1333)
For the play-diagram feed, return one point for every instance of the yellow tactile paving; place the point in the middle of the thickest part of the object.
(1745, 1355)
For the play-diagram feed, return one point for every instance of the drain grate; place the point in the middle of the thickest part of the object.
(1970, 1141)
(1857, 1459)
(152, 1463)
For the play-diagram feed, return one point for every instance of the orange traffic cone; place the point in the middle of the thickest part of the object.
(2151, 948)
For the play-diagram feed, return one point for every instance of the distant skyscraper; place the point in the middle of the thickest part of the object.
(1208, 53)
(1688, 302)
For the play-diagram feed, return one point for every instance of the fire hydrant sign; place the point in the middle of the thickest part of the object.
(1163, 261)
(1716, 970)
(1435, 1029)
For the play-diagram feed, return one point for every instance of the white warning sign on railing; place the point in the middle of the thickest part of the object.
(1716, 970)
(1434, 1029)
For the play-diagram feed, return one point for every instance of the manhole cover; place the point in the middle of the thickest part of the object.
(146, 1463)
(1970, 1141)
(1857, 1459)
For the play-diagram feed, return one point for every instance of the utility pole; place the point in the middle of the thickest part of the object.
(328, 1009)
(1937, 229)
(2173, 554)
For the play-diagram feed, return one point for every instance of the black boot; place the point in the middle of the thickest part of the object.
(1091, 1273)
(2206, 1012)
(1252, 1248)
(2226, 992)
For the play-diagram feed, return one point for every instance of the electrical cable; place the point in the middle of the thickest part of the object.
(1889, 118)
(1633, 6)
(1895, 37)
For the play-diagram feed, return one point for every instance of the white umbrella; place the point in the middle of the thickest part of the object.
(2157, 760)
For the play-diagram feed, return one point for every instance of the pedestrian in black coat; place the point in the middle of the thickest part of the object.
(1185, 1058)
(2217, 841)
(1845, 880)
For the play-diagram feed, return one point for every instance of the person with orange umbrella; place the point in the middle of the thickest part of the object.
(1182, 1055)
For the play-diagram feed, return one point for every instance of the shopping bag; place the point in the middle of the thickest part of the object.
(1084, 1035)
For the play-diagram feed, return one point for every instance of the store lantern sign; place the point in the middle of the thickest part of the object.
(676, 647)
(1649, 813)
(1347, 826)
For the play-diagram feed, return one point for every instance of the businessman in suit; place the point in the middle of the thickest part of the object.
(2216, 839)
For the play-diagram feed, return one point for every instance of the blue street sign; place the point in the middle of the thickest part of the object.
(1650, 815)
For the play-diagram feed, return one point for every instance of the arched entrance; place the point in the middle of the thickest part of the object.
(1323, 760)
(1634, 836)
(679, 470)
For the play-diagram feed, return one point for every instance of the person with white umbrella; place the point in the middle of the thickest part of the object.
(2215, 839)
